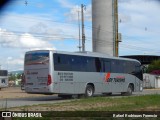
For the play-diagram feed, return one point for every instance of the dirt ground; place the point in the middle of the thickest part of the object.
(15, 92)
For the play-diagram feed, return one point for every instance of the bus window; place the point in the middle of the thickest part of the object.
(130, 67)
(76, 63)
(3, 72)
(36, 58)
(61, 62)
(138, 71)
(98, 65)
(107, 66)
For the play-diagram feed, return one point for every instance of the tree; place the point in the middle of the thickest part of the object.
(18, 76)
(155, 65)
(12, 77)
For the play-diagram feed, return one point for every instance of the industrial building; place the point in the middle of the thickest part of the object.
(144, 59)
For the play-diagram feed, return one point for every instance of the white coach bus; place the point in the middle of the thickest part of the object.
(3, 79)
(66, 74)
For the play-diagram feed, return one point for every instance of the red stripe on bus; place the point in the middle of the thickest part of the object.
(107, 76)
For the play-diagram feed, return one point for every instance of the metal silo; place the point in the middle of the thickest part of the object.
(104, 26)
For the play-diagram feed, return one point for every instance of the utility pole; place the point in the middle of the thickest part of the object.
(79, 33)
(116, 28)
(83, 32)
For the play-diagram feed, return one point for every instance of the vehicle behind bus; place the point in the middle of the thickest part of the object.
(66, 74)
(3, 79)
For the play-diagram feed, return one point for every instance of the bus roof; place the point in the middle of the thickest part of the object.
(91, 54)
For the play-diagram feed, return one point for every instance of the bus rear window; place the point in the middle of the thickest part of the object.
(36, 58)
(3, 72)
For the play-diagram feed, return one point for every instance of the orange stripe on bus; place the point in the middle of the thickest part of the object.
(108, 75)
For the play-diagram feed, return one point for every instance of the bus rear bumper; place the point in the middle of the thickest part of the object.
(38, 90)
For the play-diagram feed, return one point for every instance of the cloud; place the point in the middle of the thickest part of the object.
(12, 63)
(139, 10)
(39, 28)
(16, 61)
(65, 3)
(28, 41)
(25, 41)
(72, 15)
(35, 24)
(42, 30)
(124, 18)
(139, 25)
(15, 64)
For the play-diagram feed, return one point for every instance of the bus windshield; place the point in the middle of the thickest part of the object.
(3, 72)
(36, 58)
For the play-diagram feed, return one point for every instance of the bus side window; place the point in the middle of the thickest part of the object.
(87, 64)
(3, 72)
(113, 66)
(98, 65)
(75, 63)
(106, 66)
(138, 68)
(58, 59)
(61, 62)
(122, 66)
(116, 66)
(129, 67)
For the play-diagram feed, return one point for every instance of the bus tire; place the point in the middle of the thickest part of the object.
(89, 91)
(129, 91)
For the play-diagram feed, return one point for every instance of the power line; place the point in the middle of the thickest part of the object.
(127, 46)
(86, 26)
(58, 36)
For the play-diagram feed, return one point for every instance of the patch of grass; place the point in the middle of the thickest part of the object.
(131, 103)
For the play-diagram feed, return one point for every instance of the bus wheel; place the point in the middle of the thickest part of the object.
(89, 91)
(129, 91)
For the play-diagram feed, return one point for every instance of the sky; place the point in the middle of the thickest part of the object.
(53, 24)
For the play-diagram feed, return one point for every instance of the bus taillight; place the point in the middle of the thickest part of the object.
(49, 80)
